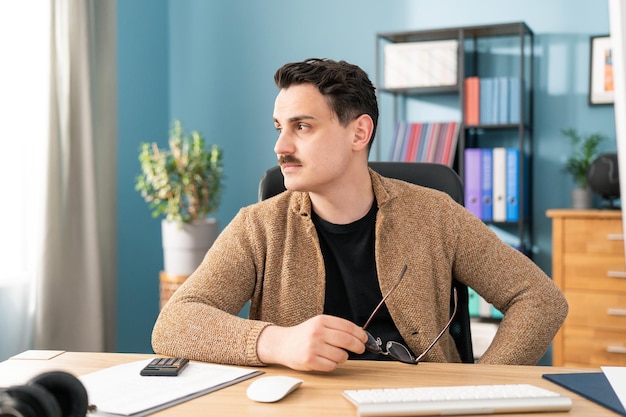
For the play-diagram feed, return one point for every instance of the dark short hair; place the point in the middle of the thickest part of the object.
(347, 87)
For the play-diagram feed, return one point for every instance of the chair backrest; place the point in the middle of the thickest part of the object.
(436, 176)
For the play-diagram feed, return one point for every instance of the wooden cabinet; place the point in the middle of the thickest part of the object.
(169, 283)
(588, 265)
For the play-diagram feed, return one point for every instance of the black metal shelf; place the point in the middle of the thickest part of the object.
(423, 91)
(465, 32)
(469, 55)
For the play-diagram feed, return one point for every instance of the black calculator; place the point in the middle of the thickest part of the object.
(164, 367)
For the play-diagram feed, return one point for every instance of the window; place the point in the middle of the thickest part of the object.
(24, 44)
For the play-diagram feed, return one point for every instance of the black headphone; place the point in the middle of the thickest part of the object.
(51, 394)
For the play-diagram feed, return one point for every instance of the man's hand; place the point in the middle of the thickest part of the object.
(319, 344)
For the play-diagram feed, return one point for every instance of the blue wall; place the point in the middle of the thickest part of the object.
(143, 73)
(211, 63)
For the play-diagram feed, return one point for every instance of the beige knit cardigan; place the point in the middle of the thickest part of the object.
(270, 254)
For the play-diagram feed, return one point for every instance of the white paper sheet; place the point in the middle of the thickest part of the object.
(120, 390)
(38, 354)
(617, 378)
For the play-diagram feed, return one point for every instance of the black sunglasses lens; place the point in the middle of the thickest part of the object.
(372, 344)
(400, 353)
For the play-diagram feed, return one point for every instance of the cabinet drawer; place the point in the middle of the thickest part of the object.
(592, 347)
(594, 236)
(596, 309)
(604, 273)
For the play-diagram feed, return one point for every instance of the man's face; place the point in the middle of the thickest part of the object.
(313, 148)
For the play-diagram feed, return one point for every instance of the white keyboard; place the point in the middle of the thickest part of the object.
(456, 400)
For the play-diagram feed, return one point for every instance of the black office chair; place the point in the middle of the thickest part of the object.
(437, 176)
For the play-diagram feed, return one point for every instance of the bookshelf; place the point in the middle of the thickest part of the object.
(496, 59)
(489, 52)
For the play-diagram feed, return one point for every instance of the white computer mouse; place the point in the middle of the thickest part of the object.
(269, 389)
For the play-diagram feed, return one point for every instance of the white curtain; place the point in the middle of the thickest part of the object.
(68, 300)
(76, 293)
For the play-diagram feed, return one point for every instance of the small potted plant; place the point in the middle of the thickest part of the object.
(586, 149)
(183, 184)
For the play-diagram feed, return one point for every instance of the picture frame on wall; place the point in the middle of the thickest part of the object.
(601, 87)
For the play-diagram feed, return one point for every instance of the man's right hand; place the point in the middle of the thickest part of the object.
(318, 344)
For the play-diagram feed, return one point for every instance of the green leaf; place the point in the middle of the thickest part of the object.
(585, 150)
(182, 183)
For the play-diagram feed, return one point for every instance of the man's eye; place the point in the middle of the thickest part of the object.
(302, 126)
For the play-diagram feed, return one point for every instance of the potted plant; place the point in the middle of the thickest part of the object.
(585, 151)
(184, 185)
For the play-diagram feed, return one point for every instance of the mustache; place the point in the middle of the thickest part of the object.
(287, 159)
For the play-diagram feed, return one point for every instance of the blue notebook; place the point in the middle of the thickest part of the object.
(593, 386)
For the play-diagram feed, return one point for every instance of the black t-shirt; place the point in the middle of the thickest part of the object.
(352, 290)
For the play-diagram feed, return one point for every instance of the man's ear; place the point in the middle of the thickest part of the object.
(363, 128)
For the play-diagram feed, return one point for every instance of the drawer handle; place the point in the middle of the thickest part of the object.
(616, 274)
(616, 349)
(615, 236)
(616, 312)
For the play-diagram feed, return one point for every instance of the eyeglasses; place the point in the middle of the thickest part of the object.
(397, 350)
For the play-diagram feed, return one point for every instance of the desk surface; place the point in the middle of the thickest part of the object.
(320, 394)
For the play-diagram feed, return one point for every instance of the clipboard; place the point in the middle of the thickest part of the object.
(593, 386)
(121, 391)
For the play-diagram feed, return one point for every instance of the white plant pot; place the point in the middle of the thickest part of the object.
(184, 245)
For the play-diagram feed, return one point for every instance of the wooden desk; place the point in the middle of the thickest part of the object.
(320, 394)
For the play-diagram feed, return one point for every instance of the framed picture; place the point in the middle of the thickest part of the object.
(601, 71)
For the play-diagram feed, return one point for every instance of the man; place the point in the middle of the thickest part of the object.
(316, 260)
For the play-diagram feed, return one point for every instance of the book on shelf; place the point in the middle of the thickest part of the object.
(492, 183)
(473, 302)
(406, 133)
(425, 142)
(512, 184)
(472, 101)
(486, 97)
(502, 103)
(415, 132)
(473, 168)
(423, 153)
(479, 307)
(515, 89)
(420, 64)
(494, 103)
(486, 188)
(441, 143)
(397, 139)
(497, 101)
(449, 149)
(433, 140)
(499, 184)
